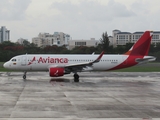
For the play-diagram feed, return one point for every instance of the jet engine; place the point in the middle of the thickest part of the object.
(56, 72)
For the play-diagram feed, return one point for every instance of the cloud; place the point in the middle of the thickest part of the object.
(92, 10)
(13, 9)
(82, 19)
(87, 19)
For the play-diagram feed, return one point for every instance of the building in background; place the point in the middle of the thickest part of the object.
(89, 43)
(156, 37)
(21, 40)
(121, 38)
(4, 34)
(111, 40)
(117, 38)
(46, 39)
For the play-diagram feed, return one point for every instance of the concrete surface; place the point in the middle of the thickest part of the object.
(99, 95)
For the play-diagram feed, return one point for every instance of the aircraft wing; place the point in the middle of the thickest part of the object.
(86, 63)
(80, 66)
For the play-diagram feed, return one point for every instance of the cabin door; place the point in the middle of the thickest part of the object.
(24, 60)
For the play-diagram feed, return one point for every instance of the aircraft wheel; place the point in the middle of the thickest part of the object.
(24, 77)
(76, 78)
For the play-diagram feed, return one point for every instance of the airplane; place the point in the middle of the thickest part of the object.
(61, 64)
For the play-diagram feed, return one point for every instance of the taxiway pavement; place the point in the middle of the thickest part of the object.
(98, 95)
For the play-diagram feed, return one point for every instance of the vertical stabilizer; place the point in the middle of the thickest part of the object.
(141, 47)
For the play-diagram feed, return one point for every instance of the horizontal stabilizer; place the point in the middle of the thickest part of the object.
(145, 59)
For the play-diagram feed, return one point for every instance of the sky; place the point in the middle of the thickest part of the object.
(81, 19)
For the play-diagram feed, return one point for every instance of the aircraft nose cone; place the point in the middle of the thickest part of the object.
(5, 65)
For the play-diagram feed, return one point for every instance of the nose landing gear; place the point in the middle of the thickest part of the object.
(24, 75)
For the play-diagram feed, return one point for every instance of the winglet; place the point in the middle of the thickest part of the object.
(99, 57)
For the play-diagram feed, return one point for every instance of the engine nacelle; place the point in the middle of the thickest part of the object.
(56, 72)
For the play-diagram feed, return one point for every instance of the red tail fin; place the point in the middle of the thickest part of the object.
(141, 47)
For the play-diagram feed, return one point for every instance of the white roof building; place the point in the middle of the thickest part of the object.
(21, 40)
(46, 39)
(121, 38)
(89, 43)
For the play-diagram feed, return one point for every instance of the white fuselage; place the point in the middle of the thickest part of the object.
(43, 62)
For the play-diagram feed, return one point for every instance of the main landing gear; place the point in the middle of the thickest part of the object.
(76, 77)
(24, 75)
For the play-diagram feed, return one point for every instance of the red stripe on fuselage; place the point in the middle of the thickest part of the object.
(130, 61)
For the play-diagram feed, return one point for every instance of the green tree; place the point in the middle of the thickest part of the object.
(120, 49)
(128, 46)
(152, 48)
(8, 43)
(26, 43)
(104, 43)
(157, 47)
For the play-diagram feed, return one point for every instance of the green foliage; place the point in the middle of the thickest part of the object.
(149, 67)
(104, 43)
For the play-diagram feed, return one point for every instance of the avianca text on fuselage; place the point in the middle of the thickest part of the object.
(52, 60)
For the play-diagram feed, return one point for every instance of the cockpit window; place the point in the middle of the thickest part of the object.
(13, 59)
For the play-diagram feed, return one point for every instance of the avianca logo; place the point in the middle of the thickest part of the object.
(49, 60)
(34, 59)
(56, 73)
